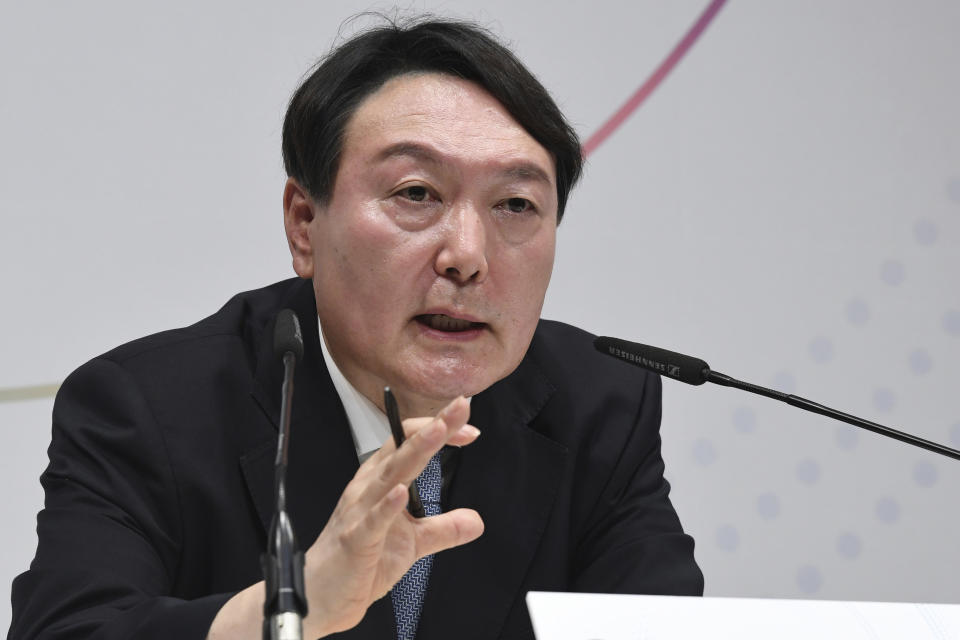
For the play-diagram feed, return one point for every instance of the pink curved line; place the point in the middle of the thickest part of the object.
(654, 80)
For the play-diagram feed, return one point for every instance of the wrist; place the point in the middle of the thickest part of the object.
(241, 617)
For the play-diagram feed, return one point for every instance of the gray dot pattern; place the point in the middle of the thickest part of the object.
(925, 473)
(809, 579)
(953, 189)
(925, 231)
(884, 400)
(951, 322)
(857, 312)
(825, 350)
(892, 272)
(728, 538)
(744, 419)
(808, 471)
(821, 350)
(847, 436)
(849, 545)
(768, 506)
(920, 362)
(704, 452)
(887, 510)
(785, 382)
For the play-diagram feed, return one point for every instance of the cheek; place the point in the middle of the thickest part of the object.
(369, 263)
(537, 265)
(525, 281)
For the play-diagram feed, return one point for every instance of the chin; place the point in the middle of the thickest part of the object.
(444, 383)
(448, 389)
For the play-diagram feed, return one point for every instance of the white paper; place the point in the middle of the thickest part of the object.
(588, 616)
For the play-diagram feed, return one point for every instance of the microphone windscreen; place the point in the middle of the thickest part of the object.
(668, 363)
(286, 335)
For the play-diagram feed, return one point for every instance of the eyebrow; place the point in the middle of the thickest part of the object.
(520, 170)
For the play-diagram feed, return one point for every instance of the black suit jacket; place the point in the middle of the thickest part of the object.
(159, 488)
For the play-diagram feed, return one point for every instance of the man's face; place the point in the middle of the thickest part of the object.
(432, 258)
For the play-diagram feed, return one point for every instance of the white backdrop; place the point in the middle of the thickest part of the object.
(786, 205)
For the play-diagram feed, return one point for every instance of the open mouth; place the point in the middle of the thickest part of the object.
(441, 322)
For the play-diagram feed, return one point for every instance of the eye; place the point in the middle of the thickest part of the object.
(518, 205)
(415, 193)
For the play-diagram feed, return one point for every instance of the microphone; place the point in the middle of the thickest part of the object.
(285, 604)
(669, 363)
(695, 371)
(287, 336)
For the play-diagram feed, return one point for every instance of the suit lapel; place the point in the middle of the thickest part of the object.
(322, 457)
(510, 476)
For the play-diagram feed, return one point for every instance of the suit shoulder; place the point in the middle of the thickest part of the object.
(567, 356)
(244, 316)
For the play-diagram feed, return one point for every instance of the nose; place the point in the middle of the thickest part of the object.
(463, 252)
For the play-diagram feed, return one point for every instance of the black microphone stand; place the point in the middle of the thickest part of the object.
(285, 605)
(695, 371)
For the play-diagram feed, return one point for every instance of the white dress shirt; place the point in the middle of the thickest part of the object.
(368, 425)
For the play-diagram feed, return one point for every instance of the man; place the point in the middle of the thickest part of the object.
(428, 170)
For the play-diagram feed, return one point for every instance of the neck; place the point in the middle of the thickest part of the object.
(411, 405)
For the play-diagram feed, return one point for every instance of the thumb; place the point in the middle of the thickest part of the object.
(447, 530)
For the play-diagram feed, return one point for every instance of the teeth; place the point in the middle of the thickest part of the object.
(446, 323)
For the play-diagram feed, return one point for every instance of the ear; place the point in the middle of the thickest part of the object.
(299, 210)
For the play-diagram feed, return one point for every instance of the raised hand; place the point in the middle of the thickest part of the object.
(370, 540)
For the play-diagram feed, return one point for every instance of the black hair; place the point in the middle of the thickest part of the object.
(313, 130)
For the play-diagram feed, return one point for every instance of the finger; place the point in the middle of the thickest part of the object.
(385, 469)
(412, 425)
(407, 462)
(461, 437)
(457, 433)
(455, 413)
(464, 436)
(372, 529)
(447, 530)
(427, 440)
(390, 466)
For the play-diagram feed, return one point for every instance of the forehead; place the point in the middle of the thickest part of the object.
(455, 117)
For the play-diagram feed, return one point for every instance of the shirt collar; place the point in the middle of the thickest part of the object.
(368, 425)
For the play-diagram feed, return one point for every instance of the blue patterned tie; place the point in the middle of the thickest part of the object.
(407, 595)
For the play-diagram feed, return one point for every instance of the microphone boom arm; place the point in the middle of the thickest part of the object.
(695, 371)
(808, 405)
